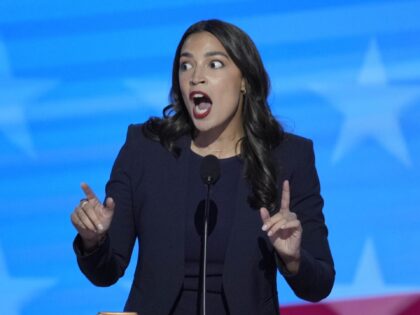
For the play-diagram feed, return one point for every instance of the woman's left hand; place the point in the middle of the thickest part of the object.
(284, 231)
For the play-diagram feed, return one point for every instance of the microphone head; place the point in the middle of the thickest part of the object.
(210, 169)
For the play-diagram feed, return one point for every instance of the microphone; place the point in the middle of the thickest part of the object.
(209, 173)
(210, 169)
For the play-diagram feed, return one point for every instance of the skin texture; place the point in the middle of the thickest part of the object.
(92, 219)
(284, 231)
(205, 66)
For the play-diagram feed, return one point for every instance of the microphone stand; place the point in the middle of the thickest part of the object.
(204, 256)
(210, 173)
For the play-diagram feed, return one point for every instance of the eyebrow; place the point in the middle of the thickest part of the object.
(207, 54)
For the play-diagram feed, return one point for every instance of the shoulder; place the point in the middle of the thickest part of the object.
(292, 143)
(294, 153)
(135, 134)
(139, 144)
(136, 138)
(139, 140)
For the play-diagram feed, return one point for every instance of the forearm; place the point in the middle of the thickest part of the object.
(97, 263)
(290, 265)
(314, 279)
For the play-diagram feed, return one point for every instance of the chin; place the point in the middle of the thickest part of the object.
(203, 126)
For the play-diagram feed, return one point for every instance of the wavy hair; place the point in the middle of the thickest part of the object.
(262, 132)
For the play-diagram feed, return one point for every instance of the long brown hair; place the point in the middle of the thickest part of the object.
(262, 132)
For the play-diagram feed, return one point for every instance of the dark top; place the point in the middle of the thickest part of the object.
(220, 220)
(150, 189)
(221, 213)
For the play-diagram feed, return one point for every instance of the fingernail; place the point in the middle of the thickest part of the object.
(264, 227)
(269, 233)
(100, 227)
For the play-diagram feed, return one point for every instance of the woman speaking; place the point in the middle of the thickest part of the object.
(265, 210)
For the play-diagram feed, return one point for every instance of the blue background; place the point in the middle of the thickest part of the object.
(75, 74)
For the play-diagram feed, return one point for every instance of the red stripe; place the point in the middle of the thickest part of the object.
(404, 304)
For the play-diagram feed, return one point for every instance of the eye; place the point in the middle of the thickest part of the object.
(216, 64)
(184, 66)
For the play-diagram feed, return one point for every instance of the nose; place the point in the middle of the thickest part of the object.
(197, 77)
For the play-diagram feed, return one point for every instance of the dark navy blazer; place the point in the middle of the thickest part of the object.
(149, 184)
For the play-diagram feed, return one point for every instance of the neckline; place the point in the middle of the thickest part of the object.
(222, 160)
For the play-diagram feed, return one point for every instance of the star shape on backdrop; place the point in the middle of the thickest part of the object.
(15, 95)
(15, 292)
(371, 107)
(368, 293)
(368, 280)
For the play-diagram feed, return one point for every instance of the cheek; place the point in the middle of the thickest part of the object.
(231, 91)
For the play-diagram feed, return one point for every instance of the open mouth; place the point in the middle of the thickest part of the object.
(202, 104)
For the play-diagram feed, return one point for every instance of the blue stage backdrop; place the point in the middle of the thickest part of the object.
(74, 74)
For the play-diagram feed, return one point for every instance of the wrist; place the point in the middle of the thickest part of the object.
(291, 263)
(91, 244)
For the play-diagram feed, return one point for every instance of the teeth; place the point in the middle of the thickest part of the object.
(198, 95)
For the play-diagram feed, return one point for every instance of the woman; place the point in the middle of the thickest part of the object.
(266, 207)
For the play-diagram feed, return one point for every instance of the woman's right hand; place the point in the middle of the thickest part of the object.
(91, 218)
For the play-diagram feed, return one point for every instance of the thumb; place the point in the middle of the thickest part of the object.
(265, 215)
(109, 205)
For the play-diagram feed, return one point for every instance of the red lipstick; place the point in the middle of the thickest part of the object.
(202, 104)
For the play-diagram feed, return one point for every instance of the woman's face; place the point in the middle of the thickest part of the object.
(211, 85)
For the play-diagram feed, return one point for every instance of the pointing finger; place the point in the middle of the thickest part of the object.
(88, 191)
(285, 197)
